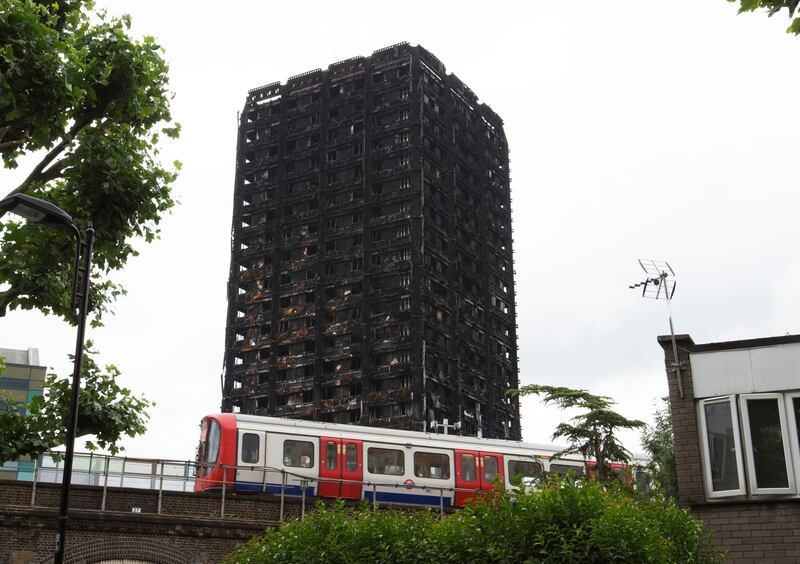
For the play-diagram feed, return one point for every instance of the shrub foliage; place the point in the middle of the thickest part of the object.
(566, 520)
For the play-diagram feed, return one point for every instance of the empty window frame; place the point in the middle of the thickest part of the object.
(250, 444)
(432, 465)
(298, 454)
(386, 461)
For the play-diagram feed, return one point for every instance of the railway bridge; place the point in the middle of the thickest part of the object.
(133, 510)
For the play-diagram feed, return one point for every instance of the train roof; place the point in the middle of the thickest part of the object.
(381, 433)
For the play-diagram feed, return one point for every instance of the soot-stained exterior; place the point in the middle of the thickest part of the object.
(371, 275)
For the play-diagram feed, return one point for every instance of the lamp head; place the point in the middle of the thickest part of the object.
(36, 210)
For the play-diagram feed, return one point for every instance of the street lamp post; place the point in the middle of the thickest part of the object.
(40, 211)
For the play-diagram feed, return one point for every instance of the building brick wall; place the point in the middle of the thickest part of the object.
(747, 531)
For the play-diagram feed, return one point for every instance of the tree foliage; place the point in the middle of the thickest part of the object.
(772, 7)
(591, 434)
(106, 411)
(659, 443)
(90, 103)
(565, 521)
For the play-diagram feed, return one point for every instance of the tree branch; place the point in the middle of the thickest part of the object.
(49, 157)
(13, 142)
(6, 298)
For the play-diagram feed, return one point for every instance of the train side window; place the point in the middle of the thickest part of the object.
(524, 470)
(386, 461)
(431, 465)
(468, 467)
(351, 457)
(565, 469)
(298, 454)
(250, 444)
(330, 455)
(489, 468)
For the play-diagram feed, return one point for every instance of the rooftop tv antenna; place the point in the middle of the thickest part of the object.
(660, 285)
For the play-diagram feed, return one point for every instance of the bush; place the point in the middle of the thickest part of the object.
(567, 520)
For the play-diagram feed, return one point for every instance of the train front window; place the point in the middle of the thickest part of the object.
(489, 468)
(250, 446)
(212, 442)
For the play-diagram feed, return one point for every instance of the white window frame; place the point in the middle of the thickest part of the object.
(748, 446)
(794, 440)
(706, 456)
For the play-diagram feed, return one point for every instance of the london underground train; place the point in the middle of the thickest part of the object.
(251, 453)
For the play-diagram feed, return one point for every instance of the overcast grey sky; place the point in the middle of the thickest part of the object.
(637, 129)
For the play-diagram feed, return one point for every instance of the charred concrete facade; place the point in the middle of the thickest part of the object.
(372, 275)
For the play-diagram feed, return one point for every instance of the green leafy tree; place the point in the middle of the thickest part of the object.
(772, 7)
(659, 443)
(83, 104)
(591, 434)
(89, 102)
(106, 411)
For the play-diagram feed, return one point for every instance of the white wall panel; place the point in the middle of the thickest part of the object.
(744, 371)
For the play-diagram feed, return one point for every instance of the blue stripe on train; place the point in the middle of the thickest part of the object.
(272, 488)
(387, 497)
(416, 499)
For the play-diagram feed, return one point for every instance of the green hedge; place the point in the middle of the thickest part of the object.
(565, 521)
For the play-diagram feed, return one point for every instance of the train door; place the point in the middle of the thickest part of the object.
(491, 466)
(341, 460)
(250, 460)
(466, 475)
(476, 471)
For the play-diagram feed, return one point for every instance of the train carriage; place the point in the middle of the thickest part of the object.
(267, 454)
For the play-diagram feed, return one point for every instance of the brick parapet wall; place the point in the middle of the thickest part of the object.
(190, 528)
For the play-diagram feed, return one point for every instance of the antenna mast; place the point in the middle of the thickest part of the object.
(660, 284)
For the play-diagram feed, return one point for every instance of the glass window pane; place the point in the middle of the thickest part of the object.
(766, 439)
(431, 465)
(489, 468)
(213, 442)
(525, 470)
(796, 406)
(565, 469)
(351, 457)
(721, 447)
(468, 467)
(298, 454)
(330, 455)
(386, 461)
(250, 448)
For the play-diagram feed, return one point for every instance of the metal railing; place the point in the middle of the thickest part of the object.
(104, 471)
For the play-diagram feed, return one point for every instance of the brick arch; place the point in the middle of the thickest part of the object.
(138, 549)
